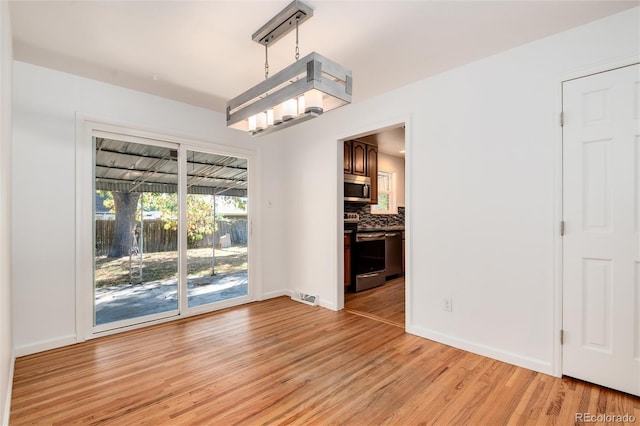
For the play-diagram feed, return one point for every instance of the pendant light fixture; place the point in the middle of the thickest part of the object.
(305, 89)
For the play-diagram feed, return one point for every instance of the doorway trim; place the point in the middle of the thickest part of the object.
(369, 129)
(88, 126)
(558, 198)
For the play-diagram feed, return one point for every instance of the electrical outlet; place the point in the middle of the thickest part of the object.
(447, 304)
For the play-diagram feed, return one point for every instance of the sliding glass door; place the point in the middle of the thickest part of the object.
(136, 238)
(159, 254)
(216, 228)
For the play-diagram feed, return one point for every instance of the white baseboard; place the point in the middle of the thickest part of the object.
(44, 345)
(7, 403)
(328, 305)
(484, 350)
(273, 294)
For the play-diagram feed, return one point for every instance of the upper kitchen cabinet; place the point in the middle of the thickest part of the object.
(361, 158)
(348, 146)
(355, 158)
(372, 171)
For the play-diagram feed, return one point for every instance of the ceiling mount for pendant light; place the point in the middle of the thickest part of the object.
(303, 90)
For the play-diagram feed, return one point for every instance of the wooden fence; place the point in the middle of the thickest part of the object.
(158, 239)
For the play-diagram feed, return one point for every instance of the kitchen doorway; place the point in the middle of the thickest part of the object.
(374, 286)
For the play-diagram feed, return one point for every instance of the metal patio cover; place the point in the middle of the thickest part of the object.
(132, 167)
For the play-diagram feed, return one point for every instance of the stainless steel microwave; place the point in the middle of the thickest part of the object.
(357, 188)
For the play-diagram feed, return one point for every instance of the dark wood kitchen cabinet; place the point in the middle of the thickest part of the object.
(361, 159)
(347, 260)
(372, 171)
(348, 146)
(355, 158)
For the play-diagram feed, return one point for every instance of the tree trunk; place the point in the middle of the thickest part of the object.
(125, 204)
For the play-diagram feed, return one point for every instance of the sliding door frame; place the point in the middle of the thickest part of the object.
(88, 127)
(169, 314)
(183, 299)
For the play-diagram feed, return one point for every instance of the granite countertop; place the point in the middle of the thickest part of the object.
(380, 228)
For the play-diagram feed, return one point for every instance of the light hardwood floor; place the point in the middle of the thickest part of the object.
(283, 362)
(385, 303)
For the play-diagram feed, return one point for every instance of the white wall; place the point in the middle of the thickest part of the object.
(6, 327)
(481, 156)
(387, 163)
(44, 108)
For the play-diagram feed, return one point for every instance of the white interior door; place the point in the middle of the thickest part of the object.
(601, 207)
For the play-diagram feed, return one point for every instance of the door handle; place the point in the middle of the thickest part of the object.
(373, 274)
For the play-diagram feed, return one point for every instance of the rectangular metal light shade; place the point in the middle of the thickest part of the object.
(312, 72)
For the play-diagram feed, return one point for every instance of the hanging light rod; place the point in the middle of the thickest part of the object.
(283, 23)
(305, 89)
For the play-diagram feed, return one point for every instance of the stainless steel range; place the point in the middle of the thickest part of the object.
(368, 255)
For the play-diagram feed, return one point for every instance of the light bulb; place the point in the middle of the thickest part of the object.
(313, 102)
(270, 117)
(289, 110)
(277, 114)
(252, 123)
(261, 121)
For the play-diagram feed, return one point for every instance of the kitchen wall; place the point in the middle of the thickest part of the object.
(43, 203)
(390, 164)
(6, 319)
(482, 168)
(369, 220)
(387, 163)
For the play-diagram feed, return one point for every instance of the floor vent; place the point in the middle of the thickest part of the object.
(309, 299)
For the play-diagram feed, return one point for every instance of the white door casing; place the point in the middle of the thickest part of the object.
(601, 245)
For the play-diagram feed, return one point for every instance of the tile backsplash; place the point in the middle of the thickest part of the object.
(375, 220)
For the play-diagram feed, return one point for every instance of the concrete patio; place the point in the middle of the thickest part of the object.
(123, 302)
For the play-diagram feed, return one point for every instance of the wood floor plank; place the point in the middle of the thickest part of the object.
(385, 303)
(283, 362)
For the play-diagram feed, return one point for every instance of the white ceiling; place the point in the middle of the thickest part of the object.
(201, 52)
(389, 141)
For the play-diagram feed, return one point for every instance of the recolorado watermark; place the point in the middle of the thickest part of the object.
(605, 418)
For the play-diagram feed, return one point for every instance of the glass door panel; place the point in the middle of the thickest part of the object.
(217, 230)
(136, 233)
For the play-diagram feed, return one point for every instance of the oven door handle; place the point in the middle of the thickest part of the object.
(373, 274)
(370, 237)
